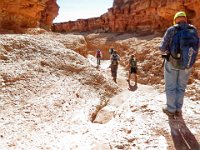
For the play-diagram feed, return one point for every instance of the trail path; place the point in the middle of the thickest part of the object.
(59, 119)
(147, 126)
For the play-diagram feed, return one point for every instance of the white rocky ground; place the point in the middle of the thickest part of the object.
(54, 99)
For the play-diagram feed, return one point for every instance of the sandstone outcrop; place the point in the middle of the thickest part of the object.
(144, 16)
(20, 14)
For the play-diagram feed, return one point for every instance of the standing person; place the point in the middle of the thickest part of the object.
(98, 56)
(111, 51)
(179, 46)
(132, 66)
(115, 58)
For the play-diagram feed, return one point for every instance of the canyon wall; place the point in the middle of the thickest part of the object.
(22, 14)
(143, 16)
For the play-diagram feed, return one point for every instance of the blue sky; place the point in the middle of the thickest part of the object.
(81, 9)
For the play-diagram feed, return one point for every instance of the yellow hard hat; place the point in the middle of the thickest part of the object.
(179, 14)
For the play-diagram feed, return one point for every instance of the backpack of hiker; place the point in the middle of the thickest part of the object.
(133, 63)
(184, 47)
(114, 59)
(98, 53)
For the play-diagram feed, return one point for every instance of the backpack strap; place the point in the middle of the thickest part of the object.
(177, 28)
(192, 27)
(114, 59)
(114, 56)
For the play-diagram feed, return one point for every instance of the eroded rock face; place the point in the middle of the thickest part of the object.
(20, 14)
(136, 15)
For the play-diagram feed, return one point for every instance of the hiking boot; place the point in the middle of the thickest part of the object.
(178, 113)
(115, 80)
(167, 112)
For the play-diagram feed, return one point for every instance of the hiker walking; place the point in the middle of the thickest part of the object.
(98, 56)
(132, 66)
(115, 58)
(179, 46)
(111, 51)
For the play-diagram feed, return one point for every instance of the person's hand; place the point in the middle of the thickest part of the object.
(165, 56)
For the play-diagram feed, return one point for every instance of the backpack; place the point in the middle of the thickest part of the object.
(98, 53)
(114, 59)
(133, 63)
(184, 47)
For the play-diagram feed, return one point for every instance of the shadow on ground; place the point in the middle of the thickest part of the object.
(182, 137)
(132, 87)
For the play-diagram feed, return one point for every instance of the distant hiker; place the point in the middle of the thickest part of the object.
(114, 65)
(111, 51)
(179, 46)
(132, 66)
(98, 56)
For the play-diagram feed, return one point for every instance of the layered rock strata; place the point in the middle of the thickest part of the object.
(135, 16)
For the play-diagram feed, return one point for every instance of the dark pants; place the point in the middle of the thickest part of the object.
(133, 70)
(98, 60)
(114, 70)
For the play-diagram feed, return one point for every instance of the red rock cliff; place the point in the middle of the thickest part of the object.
(136, 15)
(17, 14)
